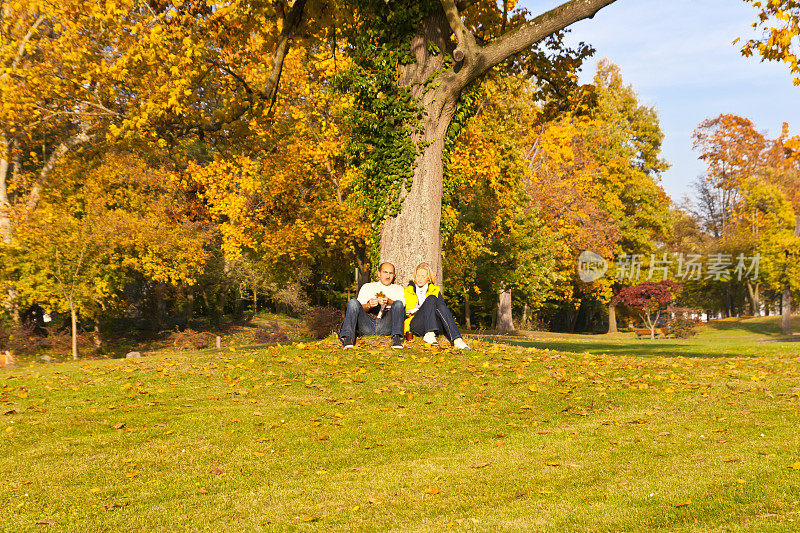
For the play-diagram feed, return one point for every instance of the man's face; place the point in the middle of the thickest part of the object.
(386, 274)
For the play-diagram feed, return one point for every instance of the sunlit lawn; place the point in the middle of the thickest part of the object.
(607, 434)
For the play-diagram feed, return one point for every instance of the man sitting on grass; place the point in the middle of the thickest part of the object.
(378, 310)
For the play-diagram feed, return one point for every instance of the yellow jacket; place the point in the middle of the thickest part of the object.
(412, 301)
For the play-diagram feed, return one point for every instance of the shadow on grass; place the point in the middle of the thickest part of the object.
(732, 337)
(640, 349)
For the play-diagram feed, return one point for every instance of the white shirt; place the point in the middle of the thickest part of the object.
(369, 290)
(421, 292)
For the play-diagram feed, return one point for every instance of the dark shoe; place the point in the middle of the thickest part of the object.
(347, 342)
(397, 342)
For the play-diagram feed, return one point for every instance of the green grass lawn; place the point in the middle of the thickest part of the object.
(540, 432)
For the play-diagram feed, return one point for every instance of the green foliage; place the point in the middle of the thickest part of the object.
(384, 120)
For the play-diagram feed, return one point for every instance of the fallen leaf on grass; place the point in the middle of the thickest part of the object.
(310, 518)
(480, 465)
(119, 425)
(543, 491)
(323, 436)
(202, 491)
(216, 471)
(795, 466)
(11, 412)
(683, 504)
(433, 490)
(46, 522)
(131, 475)
(733, 460)
(112, 506)
(553, 463)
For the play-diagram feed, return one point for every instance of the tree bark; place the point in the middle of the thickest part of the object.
(505, 320)
(413, 236)
(612, 319)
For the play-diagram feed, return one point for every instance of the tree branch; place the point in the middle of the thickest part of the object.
(23, 43)
(534, 31)
(269, 92)
(61, 150)
(466, 41)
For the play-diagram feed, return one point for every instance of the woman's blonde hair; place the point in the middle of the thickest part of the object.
(427, 268)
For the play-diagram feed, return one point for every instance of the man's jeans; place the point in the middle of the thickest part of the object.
(434, 315)
(357, 322)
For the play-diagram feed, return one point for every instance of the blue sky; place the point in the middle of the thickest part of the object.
(678, 56)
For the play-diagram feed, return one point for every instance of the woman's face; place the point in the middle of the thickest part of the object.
(420, 277)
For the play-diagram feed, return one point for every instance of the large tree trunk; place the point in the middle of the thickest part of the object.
(505, 321)
(413, 236)
(612, 319)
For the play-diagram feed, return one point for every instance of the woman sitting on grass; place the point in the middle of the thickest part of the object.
(426, 311)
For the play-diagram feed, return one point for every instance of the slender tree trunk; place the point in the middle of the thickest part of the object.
(222, 301)
(467, 319)
(255, 298)
(5, 214)
(786, 296)
(612, 319)
(160, 304)
(505, 321)
(786, 311)
(525, 316)
(189, 312)
(74, 317)
(98, 334)
(6, 155)
(753, 293)
(206, 302)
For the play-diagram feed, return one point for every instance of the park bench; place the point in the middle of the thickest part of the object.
(645, 333)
